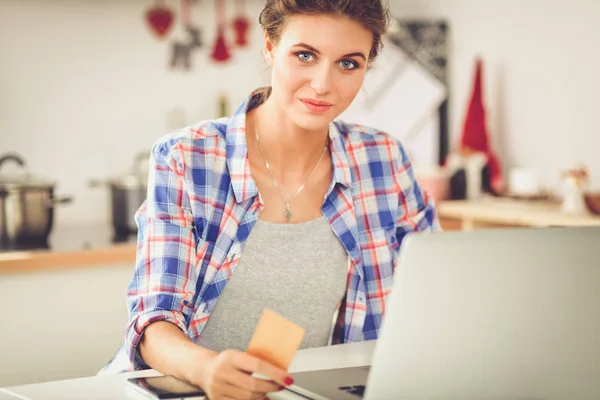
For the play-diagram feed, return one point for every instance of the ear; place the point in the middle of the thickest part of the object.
(268, 49)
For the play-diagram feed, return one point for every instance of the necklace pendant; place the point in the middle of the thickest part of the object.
(287, 213)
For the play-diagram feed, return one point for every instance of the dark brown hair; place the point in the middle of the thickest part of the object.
(371, 14)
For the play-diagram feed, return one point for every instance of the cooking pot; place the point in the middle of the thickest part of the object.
(26, 205)
(127, 194)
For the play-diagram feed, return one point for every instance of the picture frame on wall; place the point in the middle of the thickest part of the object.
(426, 41)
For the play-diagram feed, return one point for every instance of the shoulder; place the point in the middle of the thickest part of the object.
(199, 138)
(371, 143)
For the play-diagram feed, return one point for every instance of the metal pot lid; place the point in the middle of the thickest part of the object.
(22, 178)
(128, 182)
(136, 179)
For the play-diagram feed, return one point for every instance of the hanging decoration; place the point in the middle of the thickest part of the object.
(195, 39)
(240, 25)
(220, 51)
(181, 50)
(159, 19)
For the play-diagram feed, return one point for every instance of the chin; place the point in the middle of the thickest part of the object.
(312, 122)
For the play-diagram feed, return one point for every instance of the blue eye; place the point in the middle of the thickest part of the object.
(305, 56)
(348, 64)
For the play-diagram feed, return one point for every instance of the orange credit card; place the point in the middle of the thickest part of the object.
(275, 339)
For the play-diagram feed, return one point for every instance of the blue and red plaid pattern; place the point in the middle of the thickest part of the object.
(202, 204)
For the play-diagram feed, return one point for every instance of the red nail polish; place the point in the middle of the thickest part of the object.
(281, 388)
(288, 381)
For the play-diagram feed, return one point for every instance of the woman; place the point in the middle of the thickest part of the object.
(292, 211)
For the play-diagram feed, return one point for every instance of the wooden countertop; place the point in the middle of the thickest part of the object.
(503, 211)
(75, 246)
(86, 246)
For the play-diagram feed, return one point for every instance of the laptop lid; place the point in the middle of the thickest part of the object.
(492, 314)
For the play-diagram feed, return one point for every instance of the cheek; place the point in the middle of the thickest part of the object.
(349, 85)
(287, 73)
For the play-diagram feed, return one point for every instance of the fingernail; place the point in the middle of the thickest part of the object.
(281, 388)
(288, 381)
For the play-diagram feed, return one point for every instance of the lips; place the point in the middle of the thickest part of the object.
(316, 106)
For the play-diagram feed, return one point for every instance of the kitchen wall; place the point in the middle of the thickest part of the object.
(84, 85)
(541, 80)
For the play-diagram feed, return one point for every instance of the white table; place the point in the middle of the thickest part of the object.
(4, 395)
(112, 387)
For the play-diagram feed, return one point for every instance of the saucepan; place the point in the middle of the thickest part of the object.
(127, 193)
(27, 204)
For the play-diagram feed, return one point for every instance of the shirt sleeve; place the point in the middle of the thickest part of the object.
(164, 281)
(417, 208)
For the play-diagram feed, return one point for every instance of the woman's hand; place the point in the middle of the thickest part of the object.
(228, 376)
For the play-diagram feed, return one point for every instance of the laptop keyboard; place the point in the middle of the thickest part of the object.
(358, 390)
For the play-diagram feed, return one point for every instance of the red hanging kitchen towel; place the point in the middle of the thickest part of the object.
(241, 25)
(475, 134)
(220, 51)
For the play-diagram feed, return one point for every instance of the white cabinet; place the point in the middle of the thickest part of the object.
(61, 324)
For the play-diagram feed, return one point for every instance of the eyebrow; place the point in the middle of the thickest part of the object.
(309, 47)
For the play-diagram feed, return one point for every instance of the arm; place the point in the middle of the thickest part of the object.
(164, 281)
(166, 348)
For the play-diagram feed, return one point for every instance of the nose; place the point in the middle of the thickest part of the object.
(322, 80)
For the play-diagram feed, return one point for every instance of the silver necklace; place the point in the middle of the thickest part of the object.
(287, 212)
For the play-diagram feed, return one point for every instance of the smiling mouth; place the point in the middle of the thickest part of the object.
(316, 106)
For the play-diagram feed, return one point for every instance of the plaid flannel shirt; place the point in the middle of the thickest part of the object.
(202, 204)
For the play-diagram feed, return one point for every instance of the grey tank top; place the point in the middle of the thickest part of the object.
(297, 270)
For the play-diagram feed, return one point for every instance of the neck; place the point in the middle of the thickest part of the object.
(287, 146)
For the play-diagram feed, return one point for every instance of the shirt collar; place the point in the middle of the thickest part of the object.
(243, 185)
(339, 156)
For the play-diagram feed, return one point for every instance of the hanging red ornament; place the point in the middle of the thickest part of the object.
(220, 50)
(241, 25)
(159, 19)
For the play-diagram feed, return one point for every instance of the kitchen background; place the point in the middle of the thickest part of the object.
(85, 85)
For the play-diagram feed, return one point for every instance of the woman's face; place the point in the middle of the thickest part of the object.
(318, 66)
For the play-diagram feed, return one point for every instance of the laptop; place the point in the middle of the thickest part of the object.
(488, 314)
